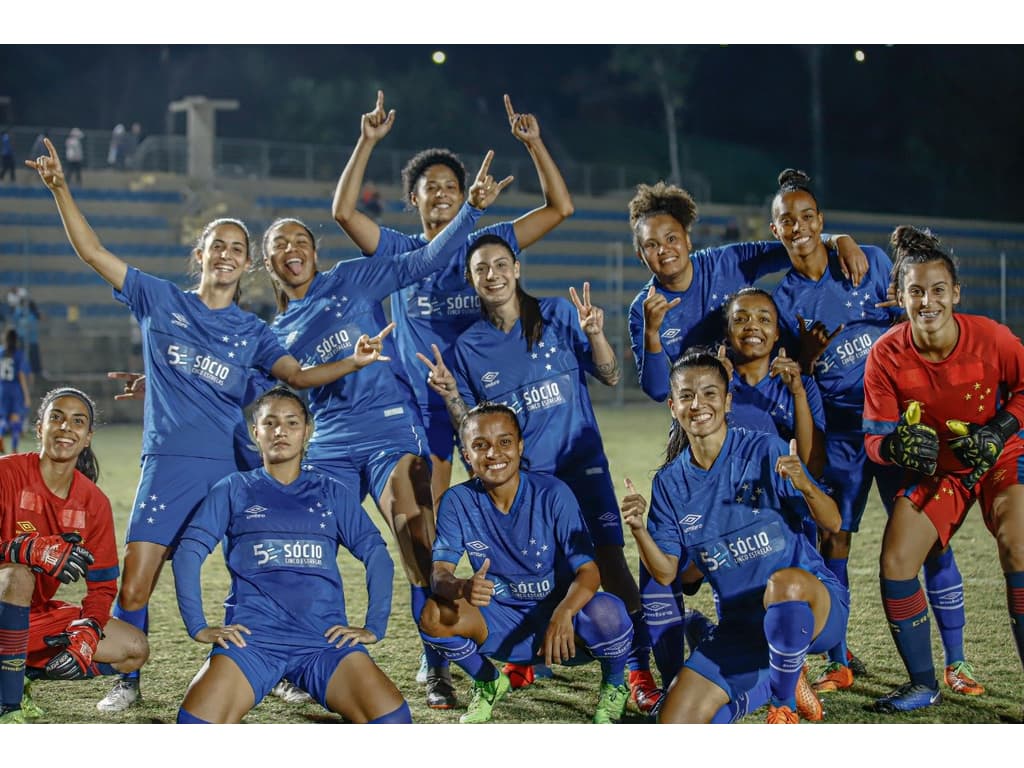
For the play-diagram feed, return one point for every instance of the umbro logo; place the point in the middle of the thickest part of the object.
(476, 546)
(657, 606)
(671, 333)
(255, 512)
(179, 320)
(690, 520)
(490, 378)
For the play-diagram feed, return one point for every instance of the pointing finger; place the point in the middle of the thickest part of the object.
(508, 107)
(380, 100)
(387, 329)
(485, 166)
(629, 486)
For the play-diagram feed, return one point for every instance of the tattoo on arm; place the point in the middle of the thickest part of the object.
(456, 409)
(608, 373)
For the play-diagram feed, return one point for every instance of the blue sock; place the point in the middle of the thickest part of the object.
(1015, 604)
(744, 703)
(664, 623)
(13, 647)
(945, 588)
(400, 715)
(140, 620)
(906, 610)
(605, 630)
(466, 653)
(788, 627)
(640, 653)
(15, 437)
(419, 599)
(186, 717)
(838, 566)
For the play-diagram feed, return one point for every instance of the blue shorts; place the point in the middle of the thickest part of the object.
(171, 488)
(848, 475)
(265, 663)
(367, 465)
(441, 438)
(594, 491)
(12, 403)
(734, 654)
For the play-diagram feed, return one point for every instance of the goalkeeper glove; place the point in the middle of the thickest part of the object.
(978, 447)
(912, 444)
(79, 642)
(57, 556)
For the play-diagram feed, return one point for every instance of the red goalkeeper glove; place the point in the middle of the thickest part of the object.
(57, 556)
(79, 641)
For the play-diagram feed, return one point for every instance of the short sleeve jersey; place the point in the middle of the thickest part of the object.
(833, 300)
(734, 520)
(535, 549)
(198, 363)
(10, 367)
(281, 544)
(697, 320)
(767, 406)
(434, 309)
(27, 505)
(546, 387)
(984, 373)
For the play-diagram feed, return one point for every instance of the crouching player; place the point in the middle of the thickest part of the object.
(56, 526)
(285, 618)
(533, 595)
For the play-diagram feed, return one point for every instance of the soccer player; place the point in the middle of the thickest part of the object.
(200, 352)
(943, 400)
(367, 435)
(834, 324)
(533, 594)
(285, 616)
(534, 355)
(726, 500)
(680, 307)
(15, 399)
(56, 527)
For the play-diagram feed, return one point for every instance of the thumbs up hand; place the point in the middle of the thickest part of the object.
(791, 468)
(479, 589)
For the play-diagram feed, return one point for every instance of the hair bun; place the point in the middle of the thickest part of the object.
(908, 239)
(791, 177)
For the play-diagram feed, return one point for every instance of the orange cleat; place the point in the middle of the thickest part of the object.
(808, 705)
(960, 678)
(836, 677)
(519, 675)
(643, 690)
(782, 716)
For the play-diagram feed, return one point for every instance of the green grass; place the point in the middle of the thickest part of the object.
(635, 438)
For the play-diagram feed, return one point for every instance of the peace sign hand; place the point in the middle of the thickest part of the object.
(524, 126)
(440, 379)
(370, 349)
(49, 168)
(591, 317)
(485, 190)
(375, 125)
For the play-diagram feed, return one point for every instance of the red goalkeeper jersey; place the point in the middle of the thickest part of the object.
(983, 374)
(28, 506)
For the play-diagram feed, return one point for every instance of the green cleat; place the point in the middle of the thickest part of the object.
(15, 716)
(485, 696)
(612, 703)
(28, 705)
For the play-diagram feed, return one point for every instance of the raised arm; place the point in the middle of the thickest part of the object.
(662, 567)
(810, 440)
(367, 350)
(557, 201)
(606, 362)
(85, 242)
(362, 230)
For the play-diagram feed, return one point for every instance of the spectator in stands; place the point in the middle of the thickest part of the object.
(115, 153)
(15, 394)
(39, 145)
(370, 202)
(290, 619)
(25, 318)
(202, 354)
(6, 156)
(70, 535)
(74, 153)
(438, 308)
(130, 148)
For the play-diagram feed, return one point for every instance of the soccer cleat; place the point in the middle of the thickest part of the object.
(858, 667)
(440, 691)
(124, 694)
(959, 677)
(290, 693)
(643, 690)
(14, 717)
(485, 695)
(519, 675)
(908, 697)
(836, 677)
(28, 705)
(611, 704)
(421, 673)
(808, 705)
(782, 715)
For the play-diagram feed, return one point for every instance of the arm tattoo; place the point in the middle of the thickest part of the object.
(456, 409)
(608, 373)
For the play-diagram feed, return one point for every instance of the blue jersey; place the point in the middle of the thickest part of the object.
(341, 305)
(697, 320)
(737, 521)
(834, 300)
(547, 387)
(435, 309)
(535, 549)
(281, 547)
(198, 363)
(10, 367)
(767, 406)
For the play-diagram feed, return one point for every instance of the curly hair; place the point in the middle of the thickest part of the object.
(661, 199)
(421, 161)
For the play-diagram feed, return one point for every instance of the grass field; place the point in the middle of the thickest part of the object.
(634, 437)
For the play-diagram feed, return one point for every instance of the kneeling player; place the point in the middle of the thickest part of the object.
(55, 527)
(533, 596)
